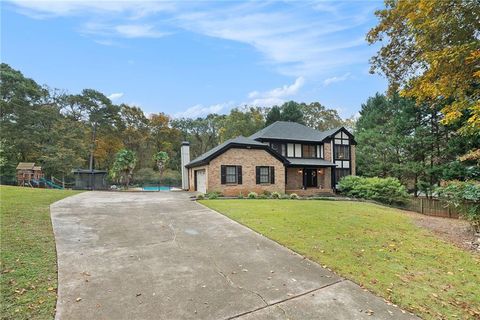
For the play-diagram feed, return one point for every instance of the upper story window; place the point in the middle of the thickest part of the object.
(320, 151)
(297, 150)
(309, 151)
(342, 146)
(342, 152)
(279, 147)
(342, 138)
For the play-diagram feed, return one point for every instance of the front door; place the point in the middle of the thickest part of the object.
(310, 177)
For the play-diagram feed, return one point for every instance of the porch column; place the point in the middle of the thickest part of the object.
(304, 178)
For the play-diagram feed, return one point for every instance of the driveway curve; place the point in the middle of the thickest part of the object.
(160, 255)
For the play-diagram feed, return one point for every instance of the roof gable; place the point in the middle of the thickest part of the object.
(239, 141)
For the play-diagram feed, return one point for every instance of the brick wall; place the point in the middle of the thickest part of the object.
(327, 151)
(248, 159)
(294, 179)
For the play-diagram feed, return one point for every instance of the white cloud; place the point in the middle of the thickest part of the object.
(295, 41)
(139, 31)
(115, 96)
(276, 96)
(42, 9)
(294, 38)
(335, 79)
(122, 30)
(200, 110)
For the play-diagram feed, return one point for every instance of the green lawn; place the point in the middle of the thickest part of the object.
(377, 247)
(28, 258)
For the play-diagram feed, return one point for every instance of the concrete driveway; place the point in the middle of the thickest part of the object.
(161, 256)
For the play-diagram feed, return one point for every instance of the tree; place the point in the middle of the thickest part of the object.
(319, 117)
(273, 115)
(203, 133)
(161, 159)
(291, 111)
(431, 51)
(67, 150)
(135, 134)
(125, 162)
(99, 113)
(241, 123)
(398, 138)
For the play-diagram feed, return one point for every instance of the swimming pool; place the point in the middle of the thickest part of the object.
(156, 188)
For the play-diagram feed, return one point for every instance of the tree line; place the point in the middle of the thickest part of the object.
(62, 131)
(425, 129)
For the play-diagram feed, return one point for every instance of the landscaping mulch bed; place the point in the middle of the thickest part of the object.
(457, 231)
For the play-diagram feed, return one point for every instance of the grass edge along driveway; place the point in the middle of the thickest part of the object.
(377, 247)
(28, 257)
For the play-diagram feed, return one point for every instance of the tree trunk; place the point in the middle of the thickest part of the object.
(92, 147)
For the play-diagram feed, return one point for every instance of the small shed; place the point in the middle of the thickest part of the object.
(86, 179)
(28, 171)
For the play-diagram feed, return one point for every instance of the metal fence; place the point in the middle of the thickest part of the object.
(432, 207)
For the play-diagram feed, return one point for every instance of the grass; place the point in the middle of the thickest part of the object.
(28, 257)
(377, 247)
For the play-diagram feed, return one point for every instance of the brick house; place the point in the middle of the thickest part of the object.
(286, 157)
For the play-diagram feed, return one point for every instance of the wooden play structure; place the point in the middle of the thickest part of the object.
(28, 174)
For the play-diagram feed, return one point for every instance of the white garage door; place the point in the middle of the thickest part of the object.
(200, 179)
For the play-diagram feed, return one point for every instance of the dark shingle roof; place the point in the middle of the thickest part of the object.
(240, 140)
(285, 130)
(310, 162)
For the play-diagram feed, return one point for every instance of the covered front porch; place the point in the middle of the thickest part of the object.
(309, 180)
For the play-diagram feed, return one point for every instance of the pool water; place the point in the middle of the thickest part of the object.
(156, 188)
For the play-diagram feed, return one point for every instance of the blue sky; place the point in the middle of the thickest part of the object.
(192, 58)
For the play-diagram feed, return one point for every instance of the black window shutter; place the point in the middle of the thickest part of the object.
(257, 175)
(223, 174)
(272, 175)
(239, 174)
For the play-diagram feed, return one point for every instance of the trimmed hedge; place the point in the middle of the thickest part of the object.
(385, 190)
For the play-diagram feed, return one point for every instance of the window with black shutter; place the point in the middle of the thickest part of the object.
(265, 175)
(239, 175)
(231, 174)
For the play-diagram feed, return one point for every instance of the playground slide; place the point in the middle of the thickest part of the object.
(35, 183)
(51, 184)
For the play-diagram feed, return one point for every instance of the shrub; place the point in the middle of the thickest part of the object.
(252, 195)
(262, 196)
(276, 195)
(240, 196)
(200, 196)
(213, 195)
(294, 196)
(466, 197)
(385, 190)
